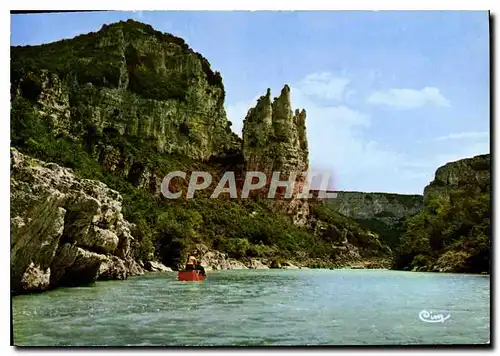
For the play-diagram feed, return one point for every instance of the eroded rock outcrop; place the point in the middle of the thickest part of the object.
(64, 230)
(274, 137)
(257, 264)
(154, 266)
(275, 140)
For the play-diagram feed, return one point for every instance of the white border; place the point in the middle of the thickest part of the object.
(187, 5)
(260, 5)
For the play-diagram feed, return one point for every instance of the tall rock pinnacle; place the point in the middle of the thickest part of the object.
(274, 137)
(275, 140)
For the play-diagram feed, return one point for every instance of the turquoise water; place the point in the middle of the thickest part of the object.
(260, 308)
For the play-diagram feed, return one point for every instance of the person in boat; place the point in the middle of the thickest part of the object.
(193, 264)
(200, 269)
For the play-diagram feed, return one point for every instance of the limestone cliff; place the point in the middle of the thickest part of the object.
(64, 230)
(127, 83)
(274, 137)
(473, 173)
(275, 140)
(384, 206)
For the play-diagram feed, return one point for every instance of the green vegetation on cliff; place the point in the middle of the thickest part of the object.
(390, 233)
(97, 59)
(453, 232)
(129, 79)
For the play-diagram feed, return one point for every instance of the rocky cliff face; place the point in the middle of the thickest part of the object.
(452, 233)
(383, 213)
(274, 137)
(383, 206)
(64, 230)
(275, 140)
(127, 83)
(472, 173)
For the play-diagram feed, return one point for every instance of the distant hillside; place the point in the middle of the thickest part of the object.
(383, 213)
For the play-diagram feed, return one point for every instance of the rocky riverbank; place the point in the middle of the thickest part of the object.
(215, 260)
(66, 231)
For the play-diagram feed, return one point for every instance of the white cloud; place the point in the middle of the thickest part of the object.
(464, 135)
(341, 116)
(325, 85)
(349, 94)
(409, 98)
(337, 145)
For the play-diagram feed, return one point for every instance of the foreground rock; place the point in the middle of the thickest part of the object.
(64, 230)
(288, 265)
(257, 264)
(216, 260)
(156, 267)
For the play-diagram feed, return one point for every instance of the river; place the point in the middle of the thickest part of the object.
(261, 308)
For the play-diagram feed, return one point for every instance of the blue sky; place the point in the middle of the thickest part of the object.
(390, 96)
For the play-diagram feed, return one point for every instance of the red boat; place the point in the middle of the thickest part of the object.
(190, 276)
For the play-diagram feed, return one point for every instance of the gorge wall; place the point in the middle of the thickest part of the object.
(383, 213)
(473, 174)
(132, 80)
(453, 232)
